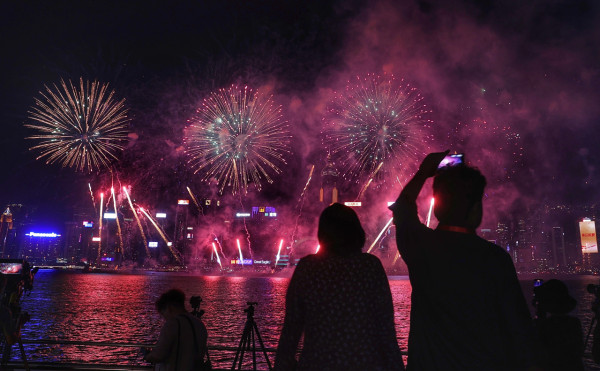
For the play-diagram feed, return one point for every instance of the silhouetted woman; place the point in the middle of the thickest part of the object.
(340, 300)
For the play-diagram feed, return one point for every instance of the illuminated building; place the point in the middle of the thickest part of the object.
(13, 221)
(503, 239)
(559, 255)
(261, 227)
(181, 235)
(42, 247)
(328, 193)
(587, 233)
(77, 238)
(210, 206)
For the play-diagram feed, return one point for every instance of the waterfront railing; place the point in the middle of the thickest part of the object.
(222, 357)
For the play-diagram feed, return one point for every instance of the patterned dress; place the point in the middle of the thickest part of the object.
(343, 307)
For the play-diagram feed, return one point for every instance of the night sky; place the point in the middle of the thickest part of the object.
(512, 84)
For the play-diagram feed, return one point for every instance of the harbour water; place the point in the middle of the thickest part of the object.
(119, 308)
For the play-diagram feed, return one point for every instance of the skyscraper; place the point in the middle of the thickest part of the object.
(328, 193)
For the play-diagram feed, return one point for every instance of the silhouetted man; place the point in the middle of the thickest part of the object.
(182, 341)
(467, 308)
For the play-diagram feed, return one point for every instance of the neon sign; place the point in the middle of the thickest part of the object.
(265, 262)
(240, 262)
(49, 235)
(183, 202)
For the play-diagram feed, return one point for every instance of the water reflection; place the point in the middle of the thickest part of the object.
(120, 309)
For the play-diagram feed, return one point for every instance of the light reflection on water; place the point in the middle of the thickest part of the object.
(120, 308)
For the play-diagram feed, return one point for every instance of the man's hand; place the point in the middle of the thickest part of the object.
(431, 162)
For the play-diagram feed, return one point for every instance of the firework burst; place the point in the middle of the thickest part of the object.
(237, 137)
(375, 126)
(79, 126)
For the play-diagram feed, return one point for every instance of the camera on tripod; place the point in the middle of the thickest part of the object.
(19, 280)
(248, 340)
(250, 309)
(195, 303)
(594, 289)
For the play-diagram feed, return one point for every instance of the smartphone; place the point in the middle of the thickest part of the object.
(452, 160)
(11, 268)
(538, 282)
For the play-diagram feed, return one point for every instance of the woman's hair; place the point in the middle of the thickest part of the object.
(172, 297)
(340, 232)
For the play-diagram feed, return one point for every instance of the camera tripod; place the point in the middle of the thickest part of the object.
(248, 341)
(7, 348)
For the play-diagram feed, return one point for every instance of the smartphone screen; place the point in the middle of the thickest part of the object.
(11, 268)
(451, 160)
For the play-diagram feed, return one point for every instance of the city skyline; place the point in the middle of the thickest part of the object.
(513, 86)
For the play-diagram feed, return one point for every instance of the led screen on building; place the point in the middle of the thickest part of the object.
(587, 230)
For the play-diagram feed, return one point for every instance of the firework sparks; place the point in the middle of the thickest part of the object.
(380, 234)
(508, 153)
(217, 255)
(195, 201)
(396, 257)
(137, 219)
(112, 191)
(364, 188)
(161, 233)
(100, 228)
(92, 195)
(240, 251)
(430, 210)
(81, 127)
(377, 123)
(301, 204)
(237, 137)
(220, 246)
(278, 252)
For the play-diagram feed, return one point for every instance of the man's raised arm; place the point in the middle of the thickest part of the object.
(405, 207)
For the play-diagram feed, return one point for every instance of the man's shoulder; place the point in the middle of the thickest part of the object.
(492, 248)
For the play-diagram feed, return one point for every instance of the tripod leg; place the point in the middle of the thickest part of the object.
(244, 347)
(253, 350)
(238, 352)
(244, 343)
(23, 356)
(262, 346)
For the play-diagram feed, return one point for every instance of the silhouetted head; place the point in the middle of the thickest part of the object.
(458, 191)
(340, 232)
(173, 298)
(553, 297)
